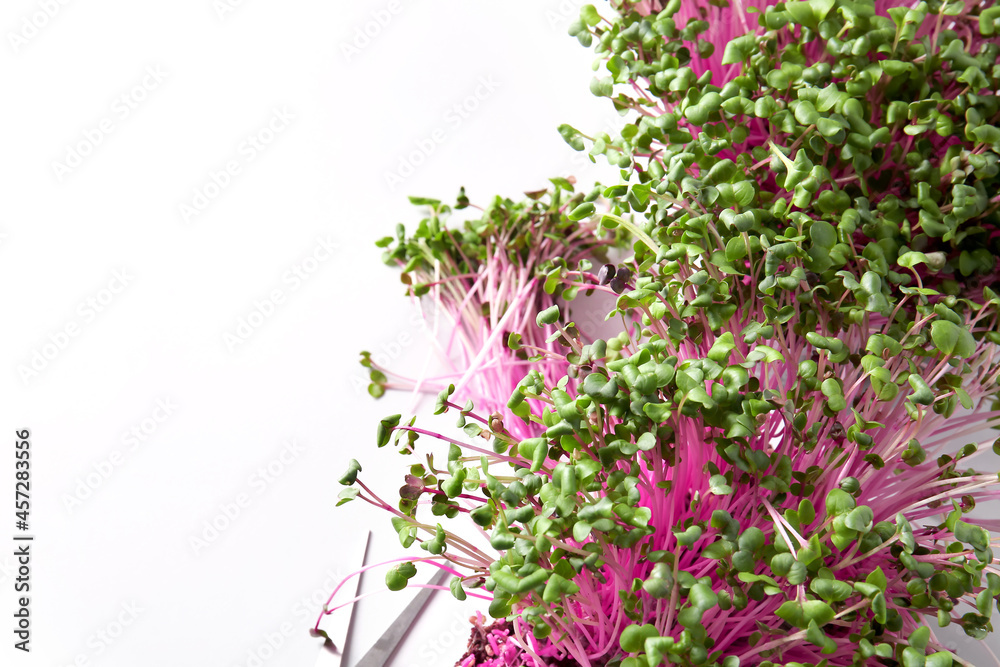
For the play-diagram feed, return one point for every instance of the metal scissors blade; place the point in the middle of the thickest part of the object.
(379, 654)
(331, 653)
(386, 645)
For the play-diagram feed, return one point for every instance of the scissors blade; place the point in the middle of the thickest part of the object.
(379, 654)
(331, 653)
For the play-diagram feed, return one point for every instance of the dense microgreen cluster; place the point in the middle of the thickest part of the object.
(770, 463)
(489, 279)
(880, 124)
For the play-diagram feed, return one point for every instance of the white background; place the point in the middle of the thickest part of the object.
(359, 107)
(117, 299)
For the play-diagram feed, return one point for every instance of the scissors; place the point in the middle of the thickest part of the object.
(331, 653)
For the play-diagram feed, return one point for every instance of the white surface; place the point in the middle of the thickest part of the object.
(199, 81)
(117, 579)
